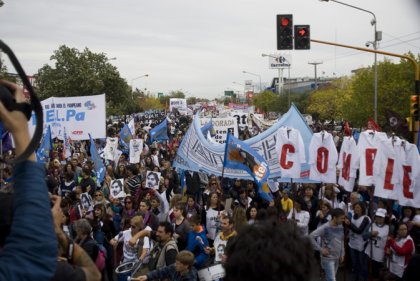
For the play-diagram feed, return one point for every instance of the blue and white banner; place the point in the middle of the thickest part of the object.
(196, 153)
(80, 116)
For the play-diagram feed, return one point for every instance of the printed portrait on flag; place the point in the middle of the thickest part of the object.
(152, 179)
(117, 188)
(239, 155)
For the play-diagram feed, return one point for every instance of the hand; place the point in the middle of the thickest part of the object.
(223, 259)
(346, 221)
(113, 242)
(208, 250)
(325, 252)
(15, 121)
(375, 233)
(341, 259)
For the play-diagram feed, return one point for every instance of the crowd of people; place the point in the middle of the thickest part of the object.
(175, 231)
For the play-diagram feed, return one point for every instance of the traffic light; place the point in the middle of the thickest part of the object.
(302, 37)
(414, 107)
(284, 32)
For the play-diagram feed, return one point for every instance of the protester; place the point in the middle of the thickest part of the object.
(288, 258)
(182, 270)
(31, 243)
(331, 244)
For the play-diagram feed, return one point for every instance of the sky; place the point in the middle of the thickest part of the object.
(202, 46)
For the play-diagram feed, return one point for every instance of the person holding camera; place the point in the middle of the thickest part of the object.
(30, 250)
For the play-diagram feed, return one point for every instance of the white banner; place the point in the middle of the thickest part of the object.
(242, 116)
(221, 126)
(136, 147)
(80, 115)
(179, 104)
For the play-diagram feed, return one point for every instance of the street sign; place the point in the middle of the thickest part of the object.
(279, 61)
(229, 93)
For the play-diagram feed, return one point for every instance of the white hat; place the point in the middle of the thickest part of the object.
(381, 213)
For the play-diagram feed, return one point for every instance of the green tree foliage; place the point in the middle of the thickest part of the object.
(330, 102)
(4, 72)
(85, 73)
(352, 98)
(395, 85)
(267, 101)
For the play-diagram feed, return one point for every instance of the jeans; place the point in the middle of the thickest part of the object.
(359, 264)
(330, 268)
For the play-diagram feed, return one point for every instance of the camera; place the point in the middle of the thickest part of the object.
(367, 44)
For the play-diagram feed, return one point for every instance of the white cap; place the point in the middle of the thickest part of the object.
(381, 213)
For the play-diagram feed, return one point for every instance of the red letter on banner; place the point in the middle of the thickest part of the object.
(370, 156)
(407, 182)
(345, 172)
(388, 174)
(284, 150)
(322, 160)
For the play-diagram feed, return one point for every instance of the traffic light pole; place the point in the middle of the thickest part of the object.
(413, 61)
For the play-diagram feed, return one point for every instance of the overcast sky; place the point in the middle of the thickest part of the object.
(202, 46)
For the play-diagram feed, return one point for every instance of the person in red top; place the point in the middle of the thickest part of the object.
(400, 250)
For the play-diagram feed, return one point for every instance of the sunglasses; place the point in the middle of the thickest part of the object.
(213, 183)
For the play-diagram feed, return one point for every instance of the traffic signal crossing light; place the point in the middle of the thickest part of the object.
(414, 107)
(302, 37)
(284, 32)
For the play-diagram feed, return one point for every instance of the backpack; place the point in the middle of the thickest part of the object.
(100, 259)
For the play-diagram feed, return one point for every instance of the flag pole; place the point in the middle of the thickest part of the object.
(224, 160)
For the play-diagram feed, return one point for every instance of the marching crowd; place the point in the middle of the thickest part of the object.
(175, 231)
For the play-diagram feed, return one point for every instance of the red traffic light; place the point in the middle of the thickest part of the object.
(284, 22)
(302, 32)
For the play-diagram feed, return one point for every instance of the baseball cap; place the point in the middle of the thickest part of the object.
(380, 213)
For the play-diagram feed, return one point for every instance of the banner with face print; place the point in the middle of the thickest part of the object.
(136, 147)
(117, 188)
(152, 179)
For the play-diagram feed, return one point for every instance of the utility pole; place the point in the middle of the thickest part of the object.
(315, 65)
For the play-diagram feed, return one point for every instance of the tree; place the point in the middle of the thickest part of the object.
(395, 85)
(85, 73)
(330, 102)
(266, 101)
(148, 103)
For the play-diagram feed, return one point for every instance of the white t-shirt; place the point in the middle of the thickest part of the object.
(130, 253)
(323, 158)
(367, 149)
(291, 152)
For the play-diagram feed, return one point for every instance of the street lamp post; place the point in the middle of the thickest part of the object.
(259, 76)
(132, 86)
(377, 38)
